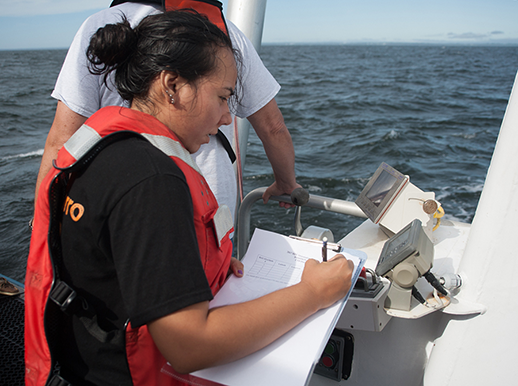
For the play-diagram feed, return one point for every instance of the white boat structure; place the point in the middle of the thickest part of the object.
(470, 341)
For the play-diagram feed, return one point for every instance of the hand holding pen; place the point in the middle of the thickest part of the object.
(324, 249)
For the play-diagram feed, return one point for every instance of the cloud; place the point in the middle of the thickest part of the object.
(467, 35)
(474, 36)
(48, 7)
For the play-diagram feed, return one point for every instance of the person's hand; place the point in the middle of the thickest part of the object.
(329, 281)
(236, 267)
(276, 190)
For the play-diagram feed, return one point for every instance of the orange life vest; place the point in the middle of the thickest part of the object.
(213, 224)
(213, 9)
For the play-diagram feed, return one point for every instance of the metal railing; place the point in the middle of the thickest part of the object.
(313, 201)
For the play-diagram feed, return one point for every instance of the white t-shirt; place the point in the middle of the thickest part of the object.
(85, 93)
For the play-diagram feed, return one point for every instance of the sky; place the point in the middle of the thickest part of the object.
(42, 24)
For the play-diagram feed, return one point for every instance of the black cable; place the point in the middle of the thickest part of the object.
(430, 277)
(416, 294)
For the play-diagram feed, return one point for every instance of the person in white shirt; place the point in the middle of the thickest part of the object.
(80, 94)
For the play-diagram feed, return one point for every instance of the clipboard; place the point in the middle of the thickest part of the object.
(274, 261)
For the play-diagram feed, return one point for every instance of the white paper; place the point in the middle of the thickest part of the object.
(272, 262)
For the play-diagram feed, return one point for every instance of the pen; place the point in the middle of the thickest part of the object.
(324, 249)
(332, 246)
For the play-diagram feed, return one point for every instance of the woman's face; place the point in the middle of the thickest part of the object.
(199, 110)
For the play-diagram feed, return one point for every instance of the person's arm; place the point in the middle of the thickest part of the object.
(196, 337)
(66, 122)
(269, 125)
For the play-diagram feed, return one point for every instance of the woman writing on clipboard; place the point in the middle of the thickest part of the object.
(133, 231)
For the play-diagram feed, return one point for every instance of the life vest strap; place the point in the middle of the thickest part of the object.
(226, 144)
(63, 295)
(57, 380)
(85, 154)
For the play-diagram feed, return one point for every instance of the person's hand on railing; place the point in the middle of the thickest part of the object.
(276, 190)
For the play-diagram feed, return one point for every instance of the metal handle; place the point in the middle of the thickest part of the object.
(314, 201)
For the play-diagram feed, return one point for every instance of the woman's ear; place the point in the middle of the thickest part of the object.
(169, 82)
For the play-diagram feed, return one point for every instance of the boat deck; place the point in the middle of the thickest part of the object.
(12, 366)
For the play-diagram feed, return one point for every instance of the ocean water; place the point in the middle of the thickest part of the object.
(432, 112)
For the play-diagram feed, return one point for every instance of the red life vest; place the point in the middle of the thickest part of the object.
(213, 224)
(212, 9)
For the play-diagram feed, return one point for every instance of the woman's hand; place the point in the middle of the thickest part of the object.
(329, 281)
(236, 267)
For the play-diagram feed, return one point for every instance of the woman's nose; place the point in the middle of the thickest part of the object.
(226, 118)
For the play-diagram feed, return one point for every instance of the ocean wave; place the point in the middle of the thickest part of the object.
(37, 153)
(393, 134)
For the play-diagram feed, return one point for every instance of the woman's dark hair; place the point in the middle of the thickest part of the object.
(181, 41)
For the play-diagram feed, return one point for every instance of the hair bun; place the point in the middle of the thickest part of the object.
(111, 46)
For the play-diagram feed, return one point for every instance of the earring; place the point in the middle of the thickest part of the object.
(171, 99)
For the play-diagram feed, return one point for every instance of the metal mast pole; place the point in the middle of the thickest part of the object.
(248, 16)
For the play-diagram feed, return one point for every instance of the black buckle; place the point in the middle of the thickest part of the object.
(63, 295)
(56, 380)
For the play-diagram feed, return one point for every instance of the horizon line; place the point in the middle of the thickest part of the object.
(512, 43)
